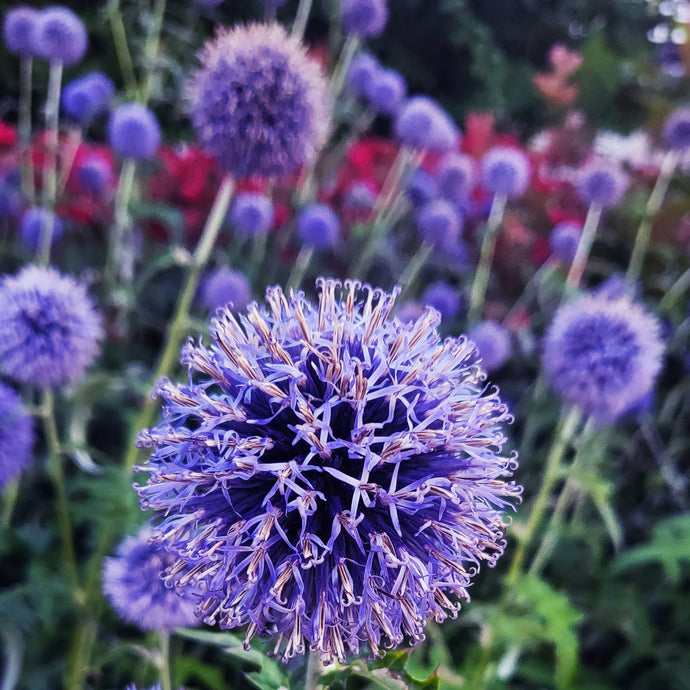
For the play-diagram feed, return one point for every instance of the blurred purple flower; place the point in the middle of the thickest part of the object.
(421, 188)
(564, 239)
(95, 174)
(456, 176)
(134, 132)
(318, 226)
(493, 343)
(421, 123)
(386, 90)
(88, 96)
(19, 30)
(60, 35)
(362, 70)
(16, 435)
(601, 182)
(444, 298)
(364, 18)
(252, 214)
(439, 223)
(506, 170)
(226, 286)
(676, 132)
(31, 226)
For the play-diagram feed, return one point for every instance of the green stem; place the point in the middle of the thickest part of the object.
(676, 291)
(164, 659)
(151, 48)
(178, 326)
(584, 246)
(10, 493)
(532, 288)
(256, 260)
(124, 57)
(80, 652)
(26, 167)
(314, 671)
(411, 272)
(654, 202)
(301, 18)
(300, 267)
(486, 257)
(350, 47)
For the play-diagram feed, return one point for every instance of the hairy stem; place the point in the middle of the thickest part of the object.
(584, 246)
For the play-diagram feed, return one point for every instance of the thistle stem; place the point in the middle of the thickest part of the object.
(415, 265)
(676, 291)
(350, 47)
(151, 48)
(301, 18)
(486, 257)
(584, 246)
(124, 57)
(654, 202)
(10, 493)
(26, 168)
(300, 268)
(314, 671)
(164, 659)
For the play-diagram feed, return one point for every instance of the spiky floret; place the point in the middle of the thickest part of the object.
(329, 476)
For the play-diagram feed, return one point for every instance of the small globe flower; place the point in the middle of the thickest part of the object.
(318, 226)
(32, 224)
(618, 285)
(95, 174)
(328, 476)
(563, 241)
(493, 342)
(439, 223)
(19, 30)
(134, 132)
(60, 36)
(16, 435)
(252, 214)
(421, 188)
(506, 171)
(361, 72)
(259, 104)
(11, 199)
(50, 331)
(456, 176)
(386, 90)
(133, 584)
(88, 96)
(602, 354)
(444, 298)
(364, 18)
(226, 286)
(601, 182)
(676, 131)
(410, 312)
(421, 123)
(359, 199)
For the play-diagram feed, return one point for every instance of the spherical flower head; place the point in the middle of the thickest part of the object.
(226, 286)
(421, 188)
(259, 104)
(16, 435)
(422, 124)
(602, 354)
(361, 73)
(617, 286)
(60, 36)
(410, 312)
(95, 174)
(564, 239)
(134, 132)
(88, 96)
(386, 90)
(318, 226)
(19, 30)
(50, 331)
(601, 182)
(439, 223)
(11, 199)
(493, 342)
(132, 582)
(506, 171)
(364, 18)
(359, 199)
(32, 224)
(328, 476)
(676, 131)
(444, 298)
(456, 176)
(252, 214)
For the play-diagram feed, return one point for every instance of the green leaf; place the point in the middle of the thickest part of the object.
(600, 490)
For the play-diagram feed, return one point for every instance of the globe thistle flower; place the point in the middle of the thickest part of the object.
(676, 131)
(455, 176)
(88, 96)
(50, 330)
(359, 199)
(259, 104)
(32, 223)
(60, 35)
(444, 298)
(601, 182)
(618, 285)
(226, 286)
(318, 226)
(493, 342)
(563, 241)
(506, 171)
(329, 476)
(16, 435)
(602, 354)
(252, 214)
(410, 311)
(132, 582)
(439, 223)
(363, 18)
(95, 173)
(19, 30)
(422, 124)
(11, 199)
(386, 90)
(361, 72)
(421, 188)
(134, 132)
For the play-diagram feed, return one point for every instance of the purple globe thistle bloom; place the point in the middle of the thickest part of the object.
(252, 214)
(563, 241)
(134, 132)
(364, 18)
(259, 104)
(386, 90)
(602, 354)
(95, 174)
(493, 342)
(16, 435)
(318, 226)
(133, 584)
(88, 96)
(422, 124)
(329, 476)
(676, 132)
(11, 199)
(439, 223)
(506, 170)
(409, 312)
(617, 286)
(601, 182)
(444, 298)
(456, 176)
(60, 35)
(226, 286)
(359, 200)
(50, 331)
(361, 72)
(19, 30)
(32, 223)
(421, 188)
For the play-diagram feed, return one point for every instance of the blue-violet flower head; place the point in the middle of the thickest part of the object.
(134, 132)
(386, 90)
(88, 96)
(676, 131)
(493, 342)
(439, 223)
(19, 30)
(252, 214)
(444, 298)
(421, 188)
(226, 287)
(564, 239)
(364, 18)
(60, 35)
(16, 435)
(318, 226)
(506, 171)
(422, 124)
(601, 182)
(456, 176)
(95, 174)
(361, 73)
(34, 222)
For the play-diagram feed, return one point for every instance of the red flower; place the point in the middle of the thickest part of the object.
(8, 135)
